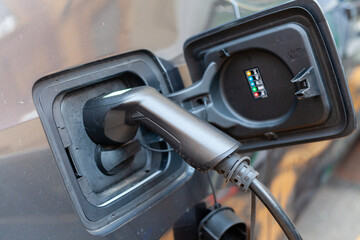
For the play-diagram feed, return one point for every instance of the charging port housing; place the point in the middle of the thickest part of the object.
(109, 194)
(278, 81)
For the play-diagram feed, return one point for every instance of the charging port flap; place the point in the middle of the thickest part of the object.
(278, 78)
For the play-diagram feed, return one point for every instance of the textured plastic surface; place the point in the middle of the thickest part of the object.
(281, 42)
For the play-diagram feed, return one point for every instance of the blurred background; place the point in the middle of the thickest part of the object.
(317, 183)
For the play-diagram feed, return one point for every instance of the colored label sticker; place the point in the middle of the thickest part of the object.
(257, 87)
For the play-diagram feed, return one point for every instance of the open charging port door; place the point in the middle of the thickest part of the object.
(270, 79)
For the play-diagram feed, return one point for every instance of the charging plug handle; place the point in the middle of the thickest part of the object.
(113, 119)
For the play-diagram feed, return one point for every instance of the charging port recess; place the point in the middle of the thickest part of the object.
(113, 185)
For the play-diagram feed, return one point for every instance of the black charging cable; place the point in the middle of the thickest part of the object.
(236, 169)
(275, 209)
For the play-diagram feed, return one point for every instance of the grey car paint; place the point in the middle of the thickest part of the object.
(39, 37)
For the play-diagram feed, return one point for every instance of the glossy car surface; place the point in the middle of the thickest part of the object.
(39, 37)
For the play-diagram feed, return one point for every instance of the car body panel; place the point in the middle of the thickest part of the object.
(40, 37)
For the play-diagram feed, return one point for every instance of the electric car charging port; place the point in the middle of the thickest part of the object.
(112, 183)
(106, 171)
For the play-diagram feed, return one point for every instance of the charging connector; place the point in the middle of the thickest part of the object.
(114, 118)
